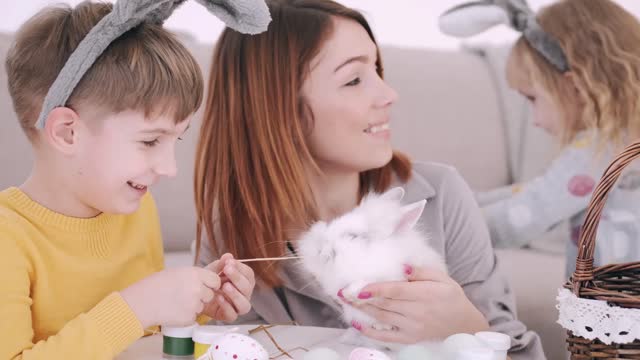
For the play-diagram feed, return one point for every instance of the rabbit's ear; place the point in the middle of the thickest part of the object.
(472, 18)
(395, 194)
(409, 216)
(245, 16)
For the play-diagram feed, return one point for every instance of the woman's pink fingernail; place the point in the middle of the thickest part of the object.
(340, 294)
(356, 325)
(408, 269)
(364, 295)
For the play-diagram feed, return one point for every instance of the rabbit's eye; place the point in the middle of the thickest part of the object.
(327, 254)
(360, 236)
(353, 236)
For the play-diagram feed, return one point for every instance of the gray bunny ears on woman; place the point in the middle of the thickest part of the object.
(245, 16)
(478, 16)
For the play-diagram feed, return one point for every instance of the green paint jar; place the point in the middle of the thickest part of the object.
(177, 342)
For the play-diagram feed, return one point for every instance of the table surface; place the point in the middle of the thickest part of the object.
(287, 336)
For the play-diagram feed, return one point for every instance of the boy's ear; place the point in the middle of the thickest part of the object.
(61, 129)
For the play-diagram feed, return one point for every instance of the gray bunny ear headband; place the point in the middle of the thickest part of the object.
(475, 17)
(245, 16)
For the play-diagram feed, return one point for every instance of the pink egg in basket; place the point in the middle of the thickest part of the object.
(367, 354)
(237, 347)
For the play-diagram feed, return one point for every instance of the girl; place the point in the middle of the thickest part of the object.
(593, 109)
(296, 129)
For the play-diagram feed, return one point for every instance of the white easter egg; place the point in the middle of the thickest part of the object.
(460, 341)
(237, 347)
(416, 352)
(367, 354)
(322, 354)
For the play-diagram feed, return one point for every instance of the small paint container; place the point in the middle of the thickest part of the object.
(177, 342)
(474, 353)
(500, 343)
(203, 337)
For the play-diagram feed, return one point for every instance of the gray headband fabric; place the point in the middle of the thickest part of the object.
(245, 16)
(475, 17)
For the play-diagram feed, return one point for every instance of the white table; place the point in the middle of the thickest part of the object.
(288, 337)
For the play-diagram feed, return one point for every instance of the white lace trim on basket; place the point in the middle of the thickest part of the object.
(593, 319)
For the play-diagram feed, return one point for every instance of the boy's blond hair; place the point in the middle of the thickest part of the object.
(602, 44)
(146, 69)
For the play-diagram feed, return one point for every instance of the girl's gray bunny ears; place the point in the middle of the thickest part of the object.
(475, 17)
(245, 16)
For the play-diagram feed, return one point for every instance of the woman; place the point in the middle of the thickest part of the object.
(296, 129)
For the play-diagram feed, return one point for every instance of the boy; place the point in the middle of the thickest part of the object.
(80, 245)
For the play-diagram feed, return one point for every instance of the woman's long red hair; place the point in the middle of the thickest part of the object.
(251, 187)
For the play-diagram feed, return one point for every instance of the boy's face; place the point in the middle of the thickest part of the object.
(119, 158)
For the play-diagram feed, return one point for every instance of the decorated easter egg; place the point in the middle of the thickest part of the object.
(322, 354)
(237, 347)
(367, 354)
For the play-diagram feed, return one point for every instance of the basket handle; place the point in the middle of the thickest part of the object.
(586, 245)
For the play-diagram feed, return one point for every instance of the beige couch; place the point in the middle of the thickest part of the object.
(453, 108)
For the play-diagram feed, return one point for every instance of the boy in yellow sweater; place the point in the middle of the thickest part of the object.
(81, 264)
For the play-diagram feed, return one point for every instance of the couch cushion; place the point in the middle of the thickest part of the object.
(448, 112)
(15, 150)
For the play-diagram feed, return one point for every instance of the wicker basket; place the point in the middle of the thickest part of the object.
(617, 284)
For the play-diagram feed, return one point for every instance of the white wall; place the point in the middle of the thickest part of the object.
(413, 24)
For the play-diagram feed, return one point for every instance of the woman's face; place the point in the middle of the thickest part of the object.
(349, 102)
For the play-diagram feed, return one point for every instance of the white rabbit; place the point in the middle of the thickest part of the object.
(370, 244)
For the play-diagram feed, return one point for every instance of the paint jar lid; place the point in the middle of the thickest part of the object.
(178, 332)
(474, 353)
(497, 341)
(206, 334)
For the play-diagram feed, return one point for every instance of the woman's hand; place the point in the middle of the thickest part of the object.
(429, 306)
(234, 297)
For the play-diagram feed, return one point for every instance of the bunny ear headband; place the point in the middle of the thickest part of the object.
(245, 16)
(475, 17)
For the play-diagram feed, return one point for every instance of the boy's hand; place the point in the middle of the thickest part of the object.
(238, 282)
(173, 297)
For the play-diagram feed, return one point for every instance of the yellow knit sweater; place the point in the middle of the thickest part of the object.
(60, 277)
